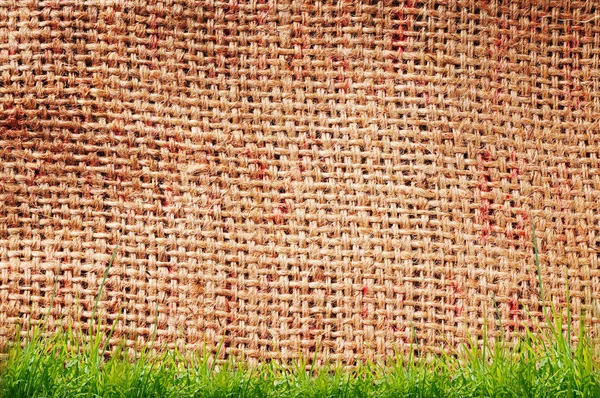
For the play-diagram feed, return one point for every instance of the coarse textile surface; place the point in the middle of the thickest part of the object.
(298, 178)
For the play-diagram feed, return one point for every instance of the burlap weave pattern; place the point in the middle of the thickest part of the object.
(291, 176)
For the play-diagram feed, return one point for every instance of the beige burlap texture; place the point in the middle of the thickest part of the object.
(283, 177)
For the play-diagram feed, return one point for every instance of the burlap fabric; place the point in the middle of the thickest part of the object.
(285, 177)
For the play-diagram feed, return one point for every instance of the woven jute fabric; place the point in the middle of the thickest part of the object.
(337, 178)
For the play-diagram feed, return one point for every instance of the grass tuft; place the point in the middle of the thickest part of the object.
(57, 367)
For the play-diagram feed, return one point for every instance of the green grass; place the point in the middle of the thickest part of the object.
(72, 363)
(61, 366)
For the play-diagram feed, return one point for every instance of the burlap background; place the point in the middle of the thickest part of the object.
(290, 175)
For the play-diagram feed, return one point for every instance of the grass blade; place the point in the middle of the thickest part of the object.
(110, 263)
